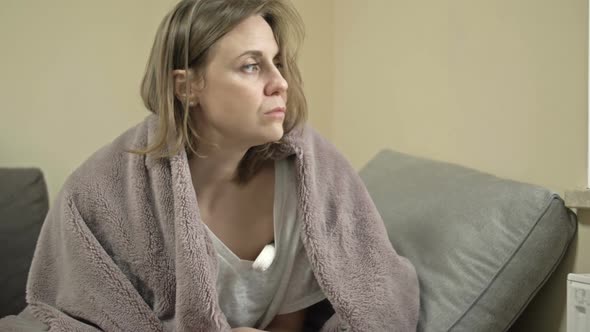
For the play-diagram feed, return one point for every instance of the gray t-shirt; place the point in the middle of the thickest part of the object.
(252, 298)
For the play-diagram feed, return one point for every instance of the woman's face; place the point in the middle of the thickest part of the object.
(242, 103)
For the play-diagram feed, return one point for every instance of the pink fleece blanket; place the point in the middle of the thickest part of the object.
(123, 248)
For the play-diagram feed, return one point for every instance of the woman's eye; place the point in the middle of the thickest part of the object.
(279, 65)
(250, 68)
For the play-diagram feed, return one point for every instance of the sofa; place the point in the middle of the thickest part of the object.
(482, 246)
(23, 206)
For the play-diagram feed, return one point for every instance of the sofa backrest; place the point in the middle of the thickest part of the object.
(23, 207)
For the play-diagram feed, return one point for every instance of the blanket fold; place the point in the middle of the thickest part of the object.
(123, 247)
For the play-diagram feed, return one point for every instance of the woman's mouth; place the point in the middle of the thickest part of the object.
(276, 113)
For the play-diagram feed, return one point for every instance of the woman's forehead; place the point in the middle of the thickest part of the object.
(253, 36)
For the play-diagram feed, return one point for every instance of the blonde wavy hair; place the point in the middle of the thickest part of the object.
(183, 41)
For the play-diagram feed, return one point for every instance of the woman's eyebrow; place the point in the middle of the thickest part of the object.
(256, 54)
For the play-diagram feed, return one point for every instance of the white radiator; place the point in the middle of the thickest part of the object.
(578, 302)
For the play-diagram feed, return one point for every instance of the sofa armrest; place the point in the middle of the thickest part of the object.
(482, 246)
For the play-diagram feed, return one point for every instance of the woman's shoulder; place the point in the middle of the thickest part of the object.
(318, 150)
(320, 163)
(108, 167)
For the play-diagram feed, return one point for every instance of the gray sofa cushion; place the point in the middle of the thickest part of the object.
(23, 206)
(482, 246)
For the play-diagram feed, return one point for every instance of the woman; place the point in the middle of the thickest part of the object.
(222, 210)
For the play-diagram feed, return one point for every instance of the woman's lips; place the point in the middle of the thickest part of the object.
(277, 113)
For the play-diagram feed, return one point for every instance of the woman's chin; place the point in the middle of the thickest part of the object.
(277, 135)
(273, 134)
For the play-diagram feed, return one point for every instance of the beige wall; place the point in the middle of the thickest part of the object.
(70, 78)
(317, 61)
(495, 85)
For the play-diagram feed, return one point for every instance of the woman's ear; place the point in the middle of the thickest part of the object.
(183, 91)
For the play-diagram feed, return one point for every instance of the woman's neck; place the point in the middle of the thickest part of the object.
(217, 169)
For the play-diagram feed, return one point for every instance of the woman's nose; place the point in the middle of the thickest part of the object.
(277, 83)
